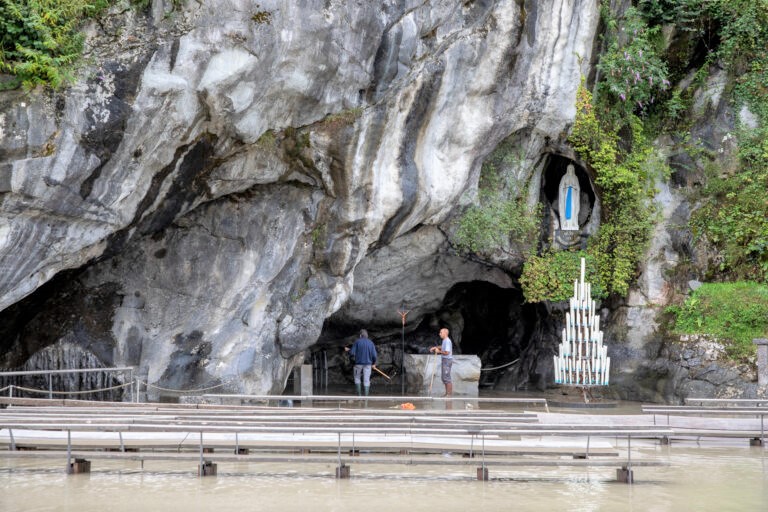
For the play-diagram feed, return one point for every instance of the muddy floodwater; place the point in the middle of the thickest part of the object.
(719, 478)
(712, 475)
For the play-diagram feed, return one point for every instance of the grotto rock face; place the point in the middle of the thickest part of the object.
(237, 173)
(693, 366)
(656, 366)
(414, 272)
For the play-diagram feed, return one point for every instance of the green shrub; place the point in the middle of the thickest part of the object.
(550, 277)
(624, 179)
(488, 226)
(40, 39)
(735, 313)
(499, 216)
(733, 216)
(633, 74)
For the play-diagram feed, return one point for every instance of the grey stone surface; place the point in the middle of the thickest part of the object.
(691, 366)
(762, 361)
(223, 177)
(423, 375)
(227, 173)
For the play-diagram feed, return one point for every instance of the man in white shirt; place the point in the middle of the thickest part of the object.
(446, 351)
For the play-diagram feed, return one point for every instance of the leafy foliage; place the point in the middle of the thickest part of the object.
(39, 40)
(736, 313)
(551, 276)
(633, 76)
(734, 215)
(489, 225)
(624, 180)
(735, 221)
(633, 72)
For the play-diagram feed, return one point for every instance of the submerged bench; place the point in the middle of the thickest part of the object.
(624, 473)
(756, 436)
(414, 435)
(757, 402)
(221, 398)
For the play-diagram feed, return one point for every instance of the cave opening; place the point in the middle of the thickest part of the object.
(513, 339)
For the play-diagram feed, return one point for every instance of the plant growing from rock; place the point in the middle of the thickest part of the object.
(735, 313)
(498, 217)
(733, 217)
(41, 41)
(550, 276)
(624, 180)
(633, 74)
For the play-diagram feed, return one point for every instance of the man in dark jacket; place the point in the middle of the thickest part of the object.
(363, 353)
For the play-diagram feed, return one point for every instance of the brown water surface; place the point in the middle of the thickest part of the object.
(699, 478)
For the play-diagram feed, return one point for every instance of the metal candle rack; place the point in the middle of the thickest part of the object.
(582, 359)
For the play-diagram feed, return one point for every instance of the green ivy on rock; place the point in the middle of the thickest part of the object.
(41, 40)
(624, 182)
(550, 276)
(498, 217)
(735, 313)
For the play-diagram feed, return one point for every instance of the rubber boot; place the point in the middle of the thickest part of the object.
(357, 388)
(367, 389)
(449, 390)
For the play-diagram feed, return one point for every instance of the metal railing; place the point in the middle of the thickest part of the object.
(127, 382)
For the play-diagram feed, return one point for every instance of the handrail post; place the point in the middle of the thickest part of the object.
(130, 379)
(202, 462)
(69, 452)
(483, 448)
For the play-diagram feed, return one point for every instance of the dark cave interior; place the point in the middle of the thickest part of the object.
(509, 336)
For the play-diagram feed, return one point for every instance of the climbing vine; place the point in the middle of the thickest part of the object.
(499, 216)
(610, 135)
(550, 276)
(624, 180)
(734, 214)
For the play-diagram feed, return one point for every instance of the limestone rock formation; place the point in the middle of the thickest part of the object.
(237, 172)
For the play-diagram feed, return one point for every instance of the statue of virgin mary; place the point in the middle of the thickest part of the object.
(569, 198)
